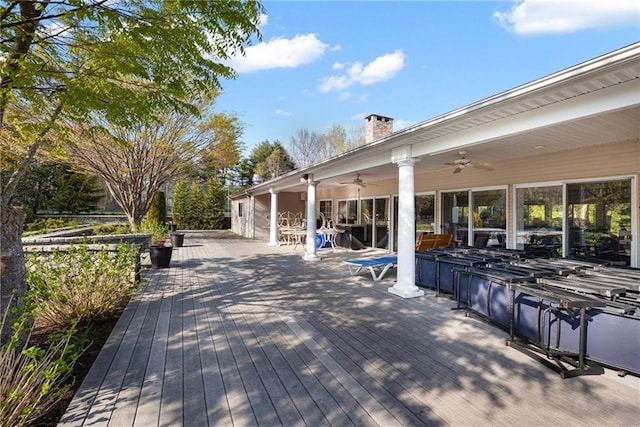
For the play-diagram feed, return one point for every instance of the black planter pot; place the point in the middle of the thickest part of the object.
(160, 256)
(177, 239)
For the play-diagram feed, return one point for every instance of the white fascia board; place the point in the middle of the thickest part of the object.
(353, 166)
(624, 95)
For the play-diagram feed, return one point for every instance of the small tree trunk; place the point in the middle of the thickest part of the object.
(12, 270)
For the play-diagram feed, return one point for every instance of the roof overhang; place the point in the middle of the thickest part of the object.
(591, 103)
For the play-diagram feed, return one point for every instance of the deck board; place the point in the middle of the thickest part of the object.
(237, 333)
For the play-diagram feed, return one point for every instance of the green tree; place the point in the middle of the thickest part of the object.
(214, 201)
(221, 145)
(336, 138)
(271, 160)
(196, 208)
(50, 186)
(157, 212)
(36, 188)
(242, 174)
(135, 162)
(181, 202)
(73, 192)
(59, 64)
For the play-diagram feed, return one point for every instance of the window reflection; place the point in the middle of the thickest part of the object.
(425, 214)
(539, 220)
(599, 220)
(489, 220)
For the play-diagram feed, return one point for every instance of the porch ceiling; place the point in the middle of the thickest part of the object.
(615, 126)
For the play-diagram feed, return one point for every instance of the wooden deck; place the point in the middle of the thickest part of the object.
(237, 333)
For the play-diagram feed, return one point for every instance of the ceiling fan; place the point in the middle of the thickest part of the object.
(357, 181)
(463, 162)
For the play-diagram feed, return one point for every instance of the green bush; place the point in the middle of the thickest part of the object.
(181, 202)
(193, 210)
(159, 232)
(213, 211)
(34, 378)
(65, 289)
(80, 284)
(47, 224)
(107, 229)
(158, 208)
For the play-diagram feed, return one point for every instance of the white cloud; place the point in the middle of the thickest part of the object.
(400, 124)
(345, 96)
(565, 16)
(284, 113)
(279, 53)
(380, 69)
(263, 20)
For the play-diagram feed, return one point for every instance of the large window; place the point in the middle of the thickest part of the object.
(539, 219)
(347, 211)
(455, 216)
(374, 219)
(326, 209)
(475, 218)
(425, 213)
(489, 219)
(599, 220)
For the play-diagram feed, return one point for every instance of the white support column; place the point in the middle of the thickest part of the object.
(406, 283)
(273, 220)
(310, 246)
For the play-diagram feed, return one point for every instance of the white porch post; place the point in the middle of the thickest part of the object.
(273, 220)
(310, 246)
(406, 283)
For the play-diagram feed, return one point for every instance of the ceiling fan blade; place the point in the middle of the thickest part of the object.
(484, 166)
(457, 170)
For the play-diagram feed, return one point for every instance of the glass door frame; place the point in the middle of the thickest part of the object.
(470, 207)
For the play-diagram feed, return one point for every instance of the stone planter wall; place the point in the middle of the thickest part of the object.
(95, 243)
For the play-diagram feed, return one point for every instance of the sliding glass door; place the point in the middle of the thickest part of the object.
(599, 220)
(476, 217)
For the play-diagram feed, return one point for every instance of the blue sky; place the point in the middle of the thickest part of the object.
(335, 62)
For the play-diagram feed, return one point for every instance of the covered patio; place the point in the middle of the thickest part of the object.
(237, 332)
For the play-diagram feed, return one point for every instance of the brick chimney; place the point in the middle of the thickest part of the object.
(377, 127)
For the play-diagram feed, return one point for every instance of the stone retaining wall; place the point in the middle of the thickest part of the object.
(143, 240)
(94, 243)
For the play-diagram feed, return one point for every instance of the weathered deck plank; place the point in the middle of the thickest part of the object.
(239, 333)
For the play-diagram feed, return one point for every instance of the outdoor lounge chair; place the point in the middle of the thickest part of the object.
(377, 266)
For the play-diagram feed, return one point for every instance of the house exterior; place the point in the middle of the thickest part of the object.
(553, 163)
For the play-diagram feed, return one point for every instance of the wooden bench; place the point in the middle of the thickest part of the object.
(433, 241)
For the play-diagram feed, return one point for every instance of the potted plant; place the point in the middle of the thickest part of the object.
(159, 253)
(177, 239)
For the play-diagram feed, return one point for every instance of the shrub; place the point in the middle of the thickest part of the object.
(193, 210)
(106, 229)
(80, 284)
(158, 208)
(34, 378)
(213, 212)
(159, 232)
(47, 224)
